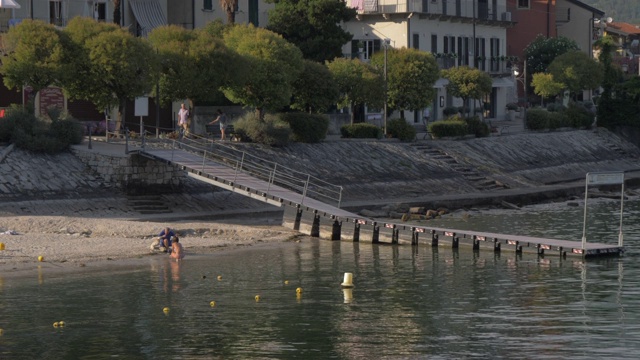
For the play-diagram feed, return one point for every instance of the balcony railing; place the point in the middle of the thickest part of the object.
(465, 10)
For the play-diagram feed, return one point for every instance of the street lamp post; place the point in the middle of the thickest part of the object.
(384, 115)
(522, 79)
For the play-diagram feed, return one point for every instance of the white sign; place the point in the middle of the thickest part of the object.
(142, 106)
(605, 178)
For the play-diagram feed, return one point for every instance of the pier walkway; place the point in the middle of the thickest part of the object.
(312, 206)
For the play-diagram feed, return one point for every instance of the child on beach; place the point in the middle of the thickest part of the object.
(177, 250)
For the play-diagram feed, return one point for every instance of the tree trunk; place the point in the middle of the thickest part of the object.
(231, 17)
(352, 111)
(116, 12)
(122, 105)
(260, 114)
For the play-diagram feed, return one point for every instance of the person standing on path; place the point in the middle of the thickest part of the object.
(183, 119)
(222, 118)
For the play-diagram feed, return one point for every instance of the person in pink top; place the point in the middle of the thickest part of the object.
(183, 119)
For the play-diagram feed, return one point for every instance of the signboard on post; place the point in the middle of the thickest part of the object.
(616, 178)
(141, 109)
(602, 178)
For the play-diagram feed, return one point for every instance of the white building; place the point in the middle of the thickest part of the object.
(457, 32)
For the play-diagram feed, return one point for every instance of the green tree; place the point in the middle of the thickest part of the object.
(607, 106)
(34, 55)
(410, 77)
(467, 83)
(577, 71)
(545, 86)
(542, 50)
(313, 26)
(358, 83)
(194, 64)
(114, 66)
(314, 90)
(273, 66)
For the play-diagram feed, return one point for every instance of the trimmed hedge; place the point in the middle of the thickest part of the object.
(361, 131)
(477, 127)
(306, 128)
(401, 129)
(537, 119)
(455, 127)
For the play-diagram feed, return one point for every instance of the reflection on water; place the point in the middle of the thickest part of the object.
(408, 302)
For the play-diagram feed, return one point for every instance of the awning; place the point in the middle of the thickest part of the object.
(148, 14)
(502, 82)
(9, 4)
(440, 83)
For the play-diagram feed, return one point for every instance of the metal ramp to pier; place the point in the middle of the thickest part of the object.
(242, 173)
(312, 206)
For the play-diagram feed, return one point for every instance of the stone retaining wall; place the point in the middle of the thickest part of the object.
(135, 174)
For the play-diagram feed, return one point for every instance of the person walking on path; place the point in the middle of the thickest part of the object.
(183, 120)
(222, 119)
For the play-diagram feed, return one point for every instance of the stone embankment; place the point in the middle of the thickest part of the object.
(373, 173)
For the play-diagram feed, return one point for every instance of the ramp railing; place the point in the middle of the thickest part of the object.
(275, 174)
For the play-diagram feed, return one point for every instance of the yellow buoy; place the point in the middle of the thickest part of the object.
(55, 324)
(1, 331)
(257, 297)
(166, 310)
(61, 323)
(40, 258)
(286, 282)
(299, 290)
(219, 277)
(212, 304)
(348, 280)
(1, 246)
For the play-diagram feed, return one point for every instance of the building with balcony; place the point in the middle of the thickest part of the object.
(457, 32)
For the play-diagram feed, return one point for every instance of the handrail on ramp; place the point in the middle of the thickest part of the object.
(242, 162)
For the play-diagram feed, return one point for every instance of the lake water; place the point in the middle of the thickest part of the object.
(407, 303)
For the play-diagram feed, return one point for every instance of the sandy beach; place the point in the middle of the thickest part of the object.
(80, 243)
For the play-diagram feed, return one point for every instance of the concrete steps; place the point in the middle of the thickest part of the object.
(148, 204)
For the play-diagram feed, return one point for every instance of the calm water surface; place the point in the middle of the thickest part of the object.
(407, 302)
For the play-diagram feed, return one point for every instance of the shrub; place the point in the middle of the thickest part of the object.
(451, 127)
(361, 131)
(400, 129)
(450, 111)
(272, 131)
(555, 107)
(67, 131)
(579, 116)
(306, 128)
(477, 127)
(512, 106)
(537, 119)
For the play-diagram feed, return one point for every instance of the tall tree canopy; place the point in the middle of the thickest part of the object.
(119, 66)
(410, 77)
(541, 51)
(577, 71)
(545, 86)
(273, 65)
(194, 64)
(314, 90)
(358, 82)
(313, 26)
(467, 83)
(35, 55)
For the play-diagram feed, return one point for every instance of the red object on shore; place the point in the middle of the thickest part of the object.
(1, 113)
